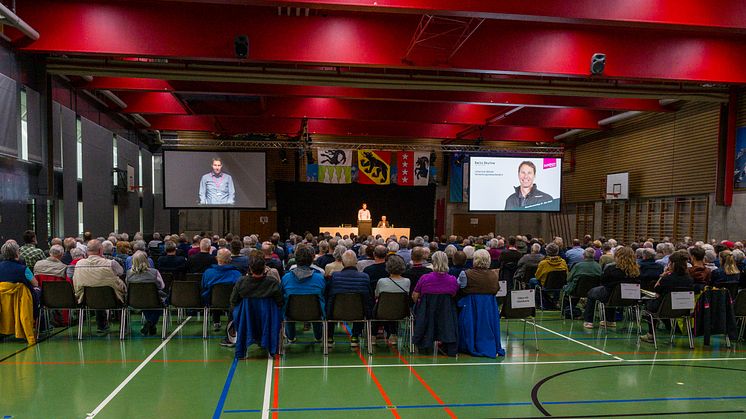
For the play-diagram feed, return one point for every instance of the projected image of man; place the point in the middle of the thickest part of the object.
(216, 187)
(526, 195)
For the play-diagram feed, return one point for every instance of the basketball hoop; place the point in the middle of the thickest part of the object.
(612, 196)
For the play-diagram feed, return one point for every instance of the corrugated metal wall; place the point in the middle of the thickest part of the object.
(665, 154)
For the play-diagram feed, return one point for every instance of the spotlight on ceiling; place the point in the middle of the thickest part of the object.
(241, 45)
(598, 63)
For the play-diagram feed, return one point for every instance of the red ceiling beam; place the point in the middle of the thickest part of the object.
(151, 103)
(169, 30)
(720, 14)
(341, 128)
(444, 96)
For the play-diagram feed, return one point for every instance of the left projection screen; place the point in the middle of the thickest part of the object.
(214, 179)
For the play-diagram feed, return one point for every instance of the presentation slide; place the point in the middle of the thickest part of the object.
(514, 184)
(214, 179)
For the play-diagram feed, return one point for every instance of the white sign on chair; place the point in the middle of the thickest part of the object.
(630, 291)
(522, 299)
(503, 291)
(682, 300)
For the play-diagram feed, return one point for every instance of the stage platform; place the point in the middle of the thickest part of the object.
(384, 232)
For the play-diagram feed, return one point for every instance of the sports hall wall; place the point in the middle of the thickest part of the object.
(24, 196)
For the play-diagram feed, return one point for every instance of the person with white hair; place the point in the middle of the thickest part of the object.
(404, 251)
(142, 273)
(392, 247)
(527, 264)
(222, 273)
(336, 266)
(666, 249)
(51, 268)
(350, 281)
(77, 255)
(201, 261)
(469, 252)
(418, 266)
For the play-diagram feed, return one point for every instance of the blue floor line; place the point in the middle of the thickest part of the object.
(226, 387)
(455, 405)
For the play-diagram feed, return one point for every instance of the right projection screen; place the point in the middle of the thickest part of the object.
(515, 184)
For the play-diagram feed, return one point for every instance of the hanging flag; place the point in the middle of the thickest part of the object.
(335, 165)
(413, 168)
(374, 167)
(312, 172)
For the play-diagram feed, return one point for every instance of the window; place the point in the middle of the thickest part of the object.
(141, 220)
(24, 125)
(31, 213)
(115, 153)
(80, 218)
(116, 218)
(157, 175)
(62, 161)
(79, 149)
(139, 172)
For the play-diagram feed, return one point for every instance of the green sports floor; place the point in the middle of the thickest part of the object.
(577, 373)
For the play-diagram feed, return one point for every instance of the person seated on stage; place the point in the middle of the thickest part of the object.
(363, 214)
(383, 223)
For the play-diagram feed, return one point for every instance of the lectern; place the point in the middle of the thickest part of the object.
(364, 227)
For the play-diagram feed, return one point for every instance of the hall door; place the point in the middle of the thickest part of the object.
(263, 223)
(473, 224)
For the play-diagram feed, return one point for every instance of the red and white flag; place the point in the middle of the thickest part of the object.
(413, 168)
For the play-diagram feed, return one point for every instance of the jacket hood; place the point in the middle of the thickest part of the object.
(302, 272)
(554, 261)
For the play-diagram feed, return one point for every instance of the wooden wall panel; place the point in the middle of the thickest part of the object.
(666, 155)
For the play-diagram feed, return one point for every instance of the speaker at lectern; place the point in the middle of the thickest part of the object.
(364, 227)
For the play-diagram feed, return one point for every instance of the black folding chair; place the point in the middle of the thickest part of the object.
(220, 299)
(194, 277)
(510, 313)
(631, 307)
(395, 307)
(739, 310)
(554, 283)
(57, 295)
(350, 308)
(100, 298)
(304, 308)
(667, 312)
(145, 296)
(583, 284)
(185, 295)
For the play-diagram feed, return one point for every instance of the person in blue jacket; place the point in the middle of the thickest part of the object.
(222, 273)
(303, 280)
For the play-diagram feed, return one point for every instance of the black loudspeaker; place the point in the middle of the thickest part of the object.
(598, 63)
(241, 45)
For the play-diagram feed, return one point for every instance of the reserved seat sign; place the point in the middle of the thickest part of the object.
(522, 299)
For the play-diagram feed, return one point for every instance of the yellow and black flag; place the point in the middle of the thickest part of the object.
(374, 167)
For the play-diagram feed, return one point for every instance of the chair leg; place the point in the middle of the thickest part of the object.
(523, 340)
(541, 298)
(562, 304)
(411, 334)
(123, 324)
(536, 335)
(206, 314)
(81, 316)
(673, 330)
(325, 337)
(652, 327)
(368, 325)
(165, 323)
(689, 332)
(743, 326)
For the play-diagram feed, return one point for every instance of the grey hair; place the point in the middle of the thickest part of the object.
(589, 253)
(469, 251)
(10, 250)
(738, 255)
(440, 262)
(535, 248)
(56, 250)
(94, 247)
(140, 262)
(493, 244)
(552, 249)
(107, 246)
(450, 250)
(649, 253)
(339, 251)
(395, 265)
(482, 259)
(77, 253)
(348, 257)
(139, 245)
(710, 256)
(224, 255)
(169, 246)
(393, 246)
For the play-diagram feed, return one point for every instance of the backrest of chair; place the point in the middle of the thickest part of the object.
(509, 312)
(58, 294)
(584, 284)
(530, 272)
(555, 280)
(185, 294)
(507, 271)
(193, 277)
(616, 300)
(392, 306)
(666, 311)
(348, 307)
(143, 295)
(168, 279)
(220, 296)
(739, 308)
(100, 298)
(303, 308)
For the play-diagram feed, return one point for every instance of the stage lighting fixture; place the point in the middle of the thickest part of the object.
(598, 63)
(241, 45)
(309, 157)
(283, 156)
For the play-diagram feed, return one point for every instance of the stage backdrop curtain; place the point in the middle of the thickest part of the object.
(303, 206)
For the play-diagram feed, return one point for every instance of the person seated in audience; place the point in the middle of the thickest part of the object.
(739, 257)
(675, 278)
(377, 270)
(598, 248)
(348, 281)
(138, 245)
(303, 280)
(171, 262)
(183, 246)
(69, 243)
(13, 270)
(255, 285)
(142, 273)
(450, 250)
(650, 270)
(494, 250)
(666, 250)
(458, 264)
(367, 259)
(574, 254)
(201, 261)
(336, 266)
(197, 246)
(418, 268)
(221, 273)
(528, 264)
(479, 317)
(404, 250)
(587, 268)
(51, 268)
(509, 257)
(155, 243)
(623, 270)
(30, 254)
(699, 272)
(77, 255)
(438, 282)
(95, 271)
(606, 255)
(552, 263)
(469, 252)
(237, 259)
(109, 253)
(711, 258)
(728, 272)
(394, 283)
(268, 271)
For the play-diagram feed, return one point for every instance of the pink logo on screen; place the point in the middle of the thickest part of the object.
(550, 163)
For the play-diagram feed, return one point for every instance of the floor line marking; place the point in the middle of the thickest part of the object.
(226, 388)
(276, 388)
(132, 375)
(422, 381)
(267, 388)
(573, 340)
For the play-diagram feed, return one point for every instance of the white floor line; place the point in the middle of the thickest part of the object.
(132, 375)
(575, 341)
(497, 364)
(267, 388)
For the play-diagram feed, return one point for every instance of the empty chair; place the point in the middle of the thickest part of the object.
(145, 296)
(394, 306)
(305, 308)
(583, 284)
(350, 308)
(220, 299)
(100, 298)
(739, 310)
(554, 283)
(510, 313)
(185, 295)
(57, 295)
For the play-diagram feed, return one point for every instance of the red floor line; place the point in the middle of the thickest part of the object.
(276, 388)
(422, 381)
(385, 396)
